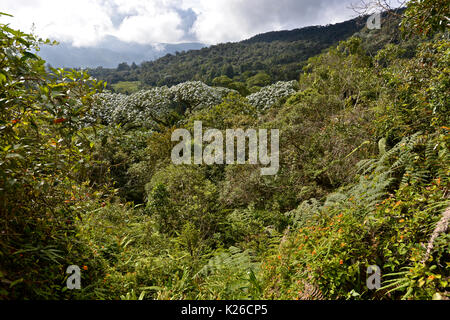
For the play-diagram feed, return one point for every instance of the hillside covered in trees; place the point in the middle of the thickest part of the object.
(279, 55)
(87, 179)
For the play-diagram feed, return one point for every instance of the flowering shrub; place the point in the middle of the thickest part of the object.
(107, 107)
(155, 105)
(198, 95)
(269, 95)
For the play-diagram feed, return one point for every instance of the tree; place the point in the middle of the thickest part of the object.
(426, 17)
(123, 67)
(44, 158)
(226, 82)
(228, 71)
(422, 17)
(222, 81)
(261, 79)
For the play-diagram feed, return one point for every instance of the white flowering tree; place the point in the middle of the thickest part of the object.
(268, 96)
(153, 106)
(197, 95)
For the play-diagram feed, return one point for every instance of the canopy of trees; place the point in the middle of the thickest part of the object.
(281, 55)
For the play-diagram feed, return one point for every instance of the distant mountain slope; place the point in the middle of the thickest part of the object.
(313, 33)
(109, 53)
(279, 54)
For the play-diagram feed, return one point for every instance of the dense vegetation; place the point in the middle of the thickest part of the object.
(276, 55)
(86, 178)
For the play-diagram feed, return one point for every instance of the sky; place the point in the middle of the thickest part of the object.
(84, 23)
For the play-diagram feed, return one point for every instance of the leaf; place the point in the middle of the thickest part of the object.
(421, 282)
(13, 156)
(152, 288)
(16, 282)
(408, 293)
(29, 55)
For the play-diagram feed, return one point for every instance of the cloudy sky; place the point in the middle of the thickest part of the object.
(86, 22)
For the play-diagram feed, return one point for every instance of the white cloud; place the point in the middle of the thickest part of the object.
(86, 22)
(149, 21)
(83, 22)
(233, 20)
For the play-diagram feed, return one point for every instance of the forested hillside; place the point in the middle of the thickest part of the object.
(278, 55)
(87, 178)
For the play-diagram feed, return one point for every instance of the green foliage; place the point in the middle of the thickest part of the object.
(44, 162)
(86, 177)
(281, 55)
(426, 17)
(180, 195)
(226, 82)
(118, 153)
(261, 79)
(127, 87)
(356, 228)
(229, 274)
(234, 112)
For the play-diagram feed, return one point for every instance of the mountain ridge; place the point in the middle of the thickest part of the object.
(279, 54)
